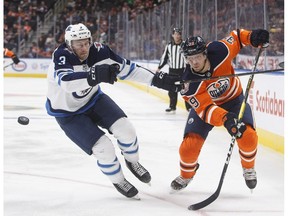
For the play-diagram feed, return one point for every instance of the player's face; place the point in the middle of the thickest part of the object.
(197, 62)
(81, 48)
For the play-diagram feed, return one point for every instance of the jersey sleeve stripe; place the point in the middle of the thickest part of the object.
(210, 113)
(131, 69)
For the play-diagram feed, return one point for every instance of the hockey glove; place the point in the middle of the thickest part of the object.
(259, 37)
(167, 82)
(102, 73)
(232, 125)
(15, 59)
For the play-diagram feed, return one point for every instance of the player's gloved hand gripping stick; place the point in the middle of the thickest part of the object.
(102, 73)
(167, 82)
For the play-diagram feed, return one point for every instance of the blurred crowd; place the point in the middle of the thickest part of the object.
(21, 18)
(94, 14)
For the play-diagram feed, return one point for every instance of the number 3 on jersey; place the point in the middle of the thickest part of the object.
(62, 60)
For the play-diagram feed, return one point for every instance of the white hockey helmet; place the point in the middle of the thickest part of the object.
(77, 32)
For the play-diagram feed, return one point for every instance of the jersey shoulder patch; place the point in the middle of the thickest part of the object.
(229, 39)
(98, 45)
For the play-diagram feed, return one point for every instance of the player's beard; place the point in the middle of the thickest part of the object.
(83, 56)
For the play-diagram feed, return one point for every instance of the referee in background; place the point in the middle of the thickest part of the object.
(173, 57)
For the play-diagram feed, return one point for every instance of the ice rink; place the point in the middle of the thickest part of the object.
(45, 174)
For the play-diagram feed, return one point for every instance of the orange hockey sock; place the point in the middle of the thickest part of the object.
(189, 151)
(248, 147)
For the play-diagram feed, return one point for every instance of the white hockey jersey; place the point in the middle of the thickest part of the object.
(68, 90)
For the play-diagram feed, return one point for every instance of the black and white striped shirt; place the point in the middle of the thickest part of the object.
(172, 56)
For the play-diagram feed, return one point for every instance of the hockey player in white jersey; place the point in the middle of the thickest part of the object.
(82, 110)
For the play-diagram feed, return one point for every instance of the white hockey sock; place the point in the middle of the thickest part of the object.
(126, 137)
(107, 160)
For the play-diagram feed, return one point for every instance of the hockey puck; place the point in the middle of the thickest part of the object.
(23, 120)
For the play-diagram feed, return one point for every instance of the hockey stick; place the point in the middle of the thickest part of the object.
(8, 65)
(215, 195)
(226, 76)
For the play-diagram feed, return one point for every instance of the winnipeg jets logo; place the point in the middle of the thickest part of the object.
(218, 88)
(98, 45)
(83, 93)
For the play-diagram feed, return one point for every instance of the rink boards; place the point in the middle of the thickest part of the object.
(266, 97)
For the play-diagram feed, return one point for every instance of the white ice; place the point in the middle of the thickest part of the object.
(45, 174)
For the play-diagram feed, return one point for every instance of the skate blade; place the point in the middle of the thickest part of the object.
(149, 184)
(172, 191)
(136, 197)
(171, 113)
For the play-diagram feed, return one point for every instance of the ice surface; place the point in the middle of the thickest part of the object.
(45, 174)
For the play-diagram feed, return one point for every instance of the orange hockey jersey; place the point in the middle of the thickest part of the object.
(206, 96)
(8, 53)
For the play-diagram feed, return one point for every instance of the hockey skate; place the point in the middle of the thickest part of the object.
(179, 183)
(139, 171)
(250, 177)
(170, 110)
(127, 189)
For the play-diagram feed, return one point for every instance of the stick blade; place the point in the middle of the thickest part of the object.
(205, 202)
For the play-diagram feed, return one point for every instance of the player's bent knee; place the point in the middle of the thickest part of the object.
(191, 145)
(249, 140)
(123, 130)
(104, 150)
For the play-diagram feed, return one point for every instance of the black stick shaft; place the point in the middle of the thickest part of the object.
(227, 76)
(8, 65)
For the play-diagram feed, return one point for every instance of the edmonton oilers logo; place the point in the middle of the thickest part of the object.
(190, 120)
(216, 89)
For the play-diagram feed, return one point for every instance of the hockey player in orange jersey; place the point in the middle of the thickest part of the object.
(216, 102)
(12, 55)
